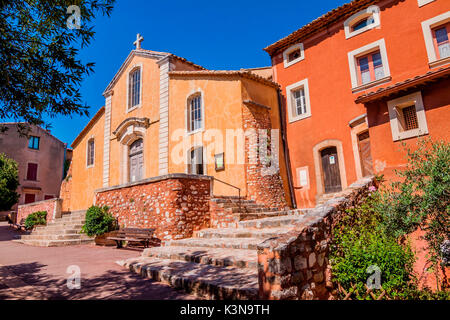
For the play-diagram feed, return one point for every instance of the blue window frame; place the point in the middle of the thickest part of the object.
(33, 143)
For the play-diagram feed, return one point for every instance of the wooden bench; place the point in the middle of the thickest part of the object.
(143, 236)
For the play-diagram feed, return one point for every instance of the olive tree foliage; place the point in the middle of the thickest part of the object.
(40, 72)
(421, 199)
(9, 181)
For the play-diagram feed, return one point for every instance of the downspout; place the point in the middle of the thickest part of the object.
(287, 158)
(64, 161)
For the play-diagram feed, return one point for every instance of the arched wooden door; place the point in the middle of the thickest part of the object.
(330, 170)
(136, 160)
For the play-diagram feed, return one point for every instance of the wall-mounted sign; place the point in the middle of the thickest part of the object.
(219, 161)
(332, 160)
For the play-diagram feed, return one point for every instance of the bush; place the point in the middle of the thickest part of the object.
(421, 199)
(9, 181)
(359, 243)
(36, 218)
(98, 221)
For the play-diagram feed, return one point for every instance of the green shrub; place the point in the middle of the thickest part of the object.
(98, 221)
(9, 181)
(36, 218)
(359, 243)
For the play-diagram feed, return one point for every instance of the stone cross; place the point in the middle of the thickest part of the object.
(138, 41)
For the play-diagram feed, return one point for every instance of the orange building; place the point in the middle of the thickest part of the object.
(166, 115)
(358, 82)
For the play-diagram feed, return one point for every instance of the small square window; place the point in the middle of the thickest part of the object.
(407, 117)
(33, 143)
(293, 54)
(410, 118)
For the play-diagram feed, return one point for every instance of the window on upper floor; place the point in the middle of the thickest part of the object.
(441, 42)
(293, 54)
(32, 171)
(407, 116)
(436, 32)
(298, 101)
(369, 66)
(33, 142)
(362, 21)
(90, 157)
(134, 88)
(194, 113)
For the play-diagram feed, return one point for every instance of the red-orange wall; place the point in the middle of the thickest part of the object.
(326, 67)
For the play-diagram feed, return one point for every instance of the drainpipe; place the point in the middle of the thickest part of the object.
(64, 161)
(287, 158)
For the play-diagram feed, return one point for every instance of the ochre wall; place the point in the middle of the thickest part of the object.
(222, 110)
(85, 180)
(326, 67)
(389, 155)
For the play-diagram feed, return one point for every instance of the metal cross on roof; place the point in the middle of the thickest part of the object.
(138, 41)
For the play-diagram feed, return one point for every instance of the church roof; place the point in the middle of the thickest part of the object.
(147, 54)
(88, 126)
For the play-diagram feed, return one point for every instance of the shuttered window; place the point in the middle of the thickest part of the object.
(134, 89)
(32, 171)
(90, 153)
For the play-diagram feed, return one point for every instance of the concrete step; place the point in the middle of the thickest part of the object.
(55, 243)
(240, 233)
(201, 279)
(239, 258)
(65, 223)
(229, 243)
(272, 222)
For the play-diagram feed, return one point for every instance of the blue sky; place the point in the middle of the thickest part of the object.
(217, 35)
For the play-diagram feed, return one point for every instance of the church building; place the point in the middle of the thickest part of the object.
(165, 115)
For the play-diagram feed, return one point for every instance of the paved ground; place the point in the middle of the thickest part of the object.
(41, 273)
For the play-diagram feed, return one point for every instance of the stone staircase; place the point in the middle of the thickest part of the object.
(63, 231)
(216, 263)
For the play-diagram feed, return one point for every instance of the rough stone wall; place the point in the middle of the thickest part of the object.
(52, 206)
(175, 205)
(263, 188)
(221, 217)
(295, 265)
(66, 190)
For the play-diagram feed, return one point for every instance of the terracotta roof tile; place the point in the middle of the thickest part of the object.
(430, 76)
(319, 24)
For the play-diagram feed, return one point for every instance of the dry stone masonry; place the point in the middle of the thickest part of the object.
(175, 205)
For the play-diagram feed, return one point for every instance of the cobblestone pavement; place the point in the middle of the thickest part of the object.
(28, 272)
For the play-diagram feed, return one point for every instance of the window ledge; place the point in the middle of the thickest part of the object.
(188, 133)
(371, 84)
(133, 108)
(298, 118)
(410, 134)
(90, 166)
(438, 63)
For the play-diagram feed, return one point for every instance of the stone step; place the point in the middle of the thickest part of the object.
(250, 210)
(240, 233)
(66, 222)
(239, 258)
(200, 279)
(272, 222)
(229, 243)
(59, 227)
(56, 232)
(54, 237)
(55, 243)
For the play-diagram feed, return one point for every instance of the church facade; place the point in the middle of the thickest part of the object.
(165, 115)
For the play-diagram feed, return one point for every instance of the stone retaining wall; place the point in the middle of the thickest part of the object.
(295, 265)
(52, 206)
(221, 218)
(175, 205)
